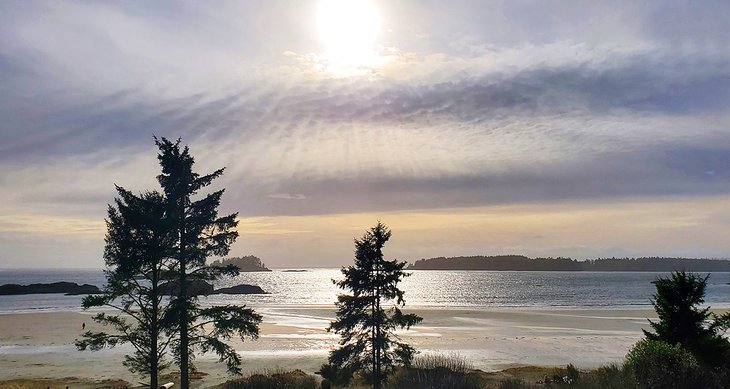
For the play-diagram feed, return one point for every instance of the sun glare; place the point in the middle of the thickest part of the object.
(348, 29)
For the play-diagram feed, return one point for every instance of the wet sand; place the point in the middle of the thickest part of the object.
(40, 345)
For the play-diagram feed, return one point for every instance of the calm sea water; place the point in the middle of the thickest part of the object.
(423, 288)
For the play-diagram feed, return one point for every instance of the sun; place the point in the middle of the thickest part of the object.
(348, 29)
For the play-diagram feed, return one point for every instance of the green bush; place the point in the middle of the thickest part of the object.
(608, 377)
(572, 373)
(658, 365)
(684, 320)
(296, 379)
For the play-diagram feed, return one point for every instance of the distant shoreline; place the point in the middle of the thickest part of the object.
(523, 263)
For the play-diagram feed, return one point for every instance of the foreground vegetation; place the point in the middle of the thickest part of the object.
(687, 349)
(368, 343)
(160, 239)
(275, 379)
(650, 365)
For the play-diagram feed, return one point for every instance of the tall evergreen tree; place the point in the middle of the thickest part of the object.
(200, 233)
(682, 321)
(137, 251)
(367, 329)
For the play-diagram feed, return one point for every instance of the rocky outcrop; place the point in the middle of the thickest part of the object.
(202, 288)
(195, 288)
(248, 263)
(240, 289)
(68, 288)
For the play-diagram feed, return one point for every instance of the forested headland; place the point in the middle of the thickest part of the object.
(524, 263)
(244, 264)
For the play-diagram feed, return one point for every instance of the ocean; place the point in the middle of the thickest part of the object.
(432, 289)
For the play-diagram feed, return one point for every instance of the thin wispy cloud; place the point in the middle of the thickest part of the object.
(476, 104)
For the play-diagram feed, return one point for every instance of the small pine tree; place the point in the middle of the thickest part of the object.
(137, 252)
(367, 329)
(677, 302)
(200, 233)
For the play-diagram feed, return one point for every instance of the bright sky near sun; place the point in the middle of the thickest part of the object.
(348, 30)
(558, 128)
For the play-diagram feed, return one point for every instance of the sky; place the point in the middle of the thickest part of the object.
(545, 128)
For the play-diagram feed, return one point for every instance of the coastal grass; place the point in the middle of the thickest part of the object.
(614, 376)
(451, 371)
(430, 372)
(436, 371)
(274, 379)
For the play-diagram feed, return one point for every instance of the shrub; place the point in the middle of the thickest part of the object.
(609, 377)
(436, 372)
(655, 364)
(516, 384)
(296, 379)
(452, 362)
(683, 320)
(334, 375)
(571, 373)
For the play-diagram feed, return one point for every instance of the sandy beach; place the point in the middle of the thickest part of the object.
(40, 345)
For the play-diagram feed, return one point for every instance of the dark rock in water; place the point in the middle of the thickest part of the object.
(69, 288)
(195, 288)
(241, 289)
(202, 288)
(294, 271)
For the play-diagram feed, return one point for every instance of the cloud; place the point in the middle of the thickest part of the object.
(583, 126)
(287, 196)
(471, 104)
(630, 227)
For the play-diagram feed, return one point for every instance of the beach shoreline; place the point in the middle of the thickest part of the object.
(40, 345)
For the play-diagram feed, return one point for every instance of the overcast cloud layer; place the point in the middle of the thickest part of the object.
(475, 104)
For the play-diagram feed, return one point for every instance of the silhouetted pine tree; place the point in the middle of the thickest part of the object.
(200, 233)
(138, 247)
(677, 302)
(367, 329)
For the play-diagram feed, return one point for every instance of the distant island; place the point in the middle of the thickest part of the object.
(202, 288)
(67, 288)
(196, 288)
(249, 263)
(523, 263)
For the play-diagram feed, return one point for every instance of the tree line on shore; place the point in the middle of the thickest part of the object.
(523, 263)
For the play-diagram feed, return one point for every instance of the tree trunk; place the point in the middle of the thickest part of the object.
(184, 358)
(378, 376)
(154, 355)
(373, 337)
(183, 289)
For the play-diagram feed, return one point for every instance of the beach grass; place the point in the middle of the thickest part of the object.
(274, 379)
